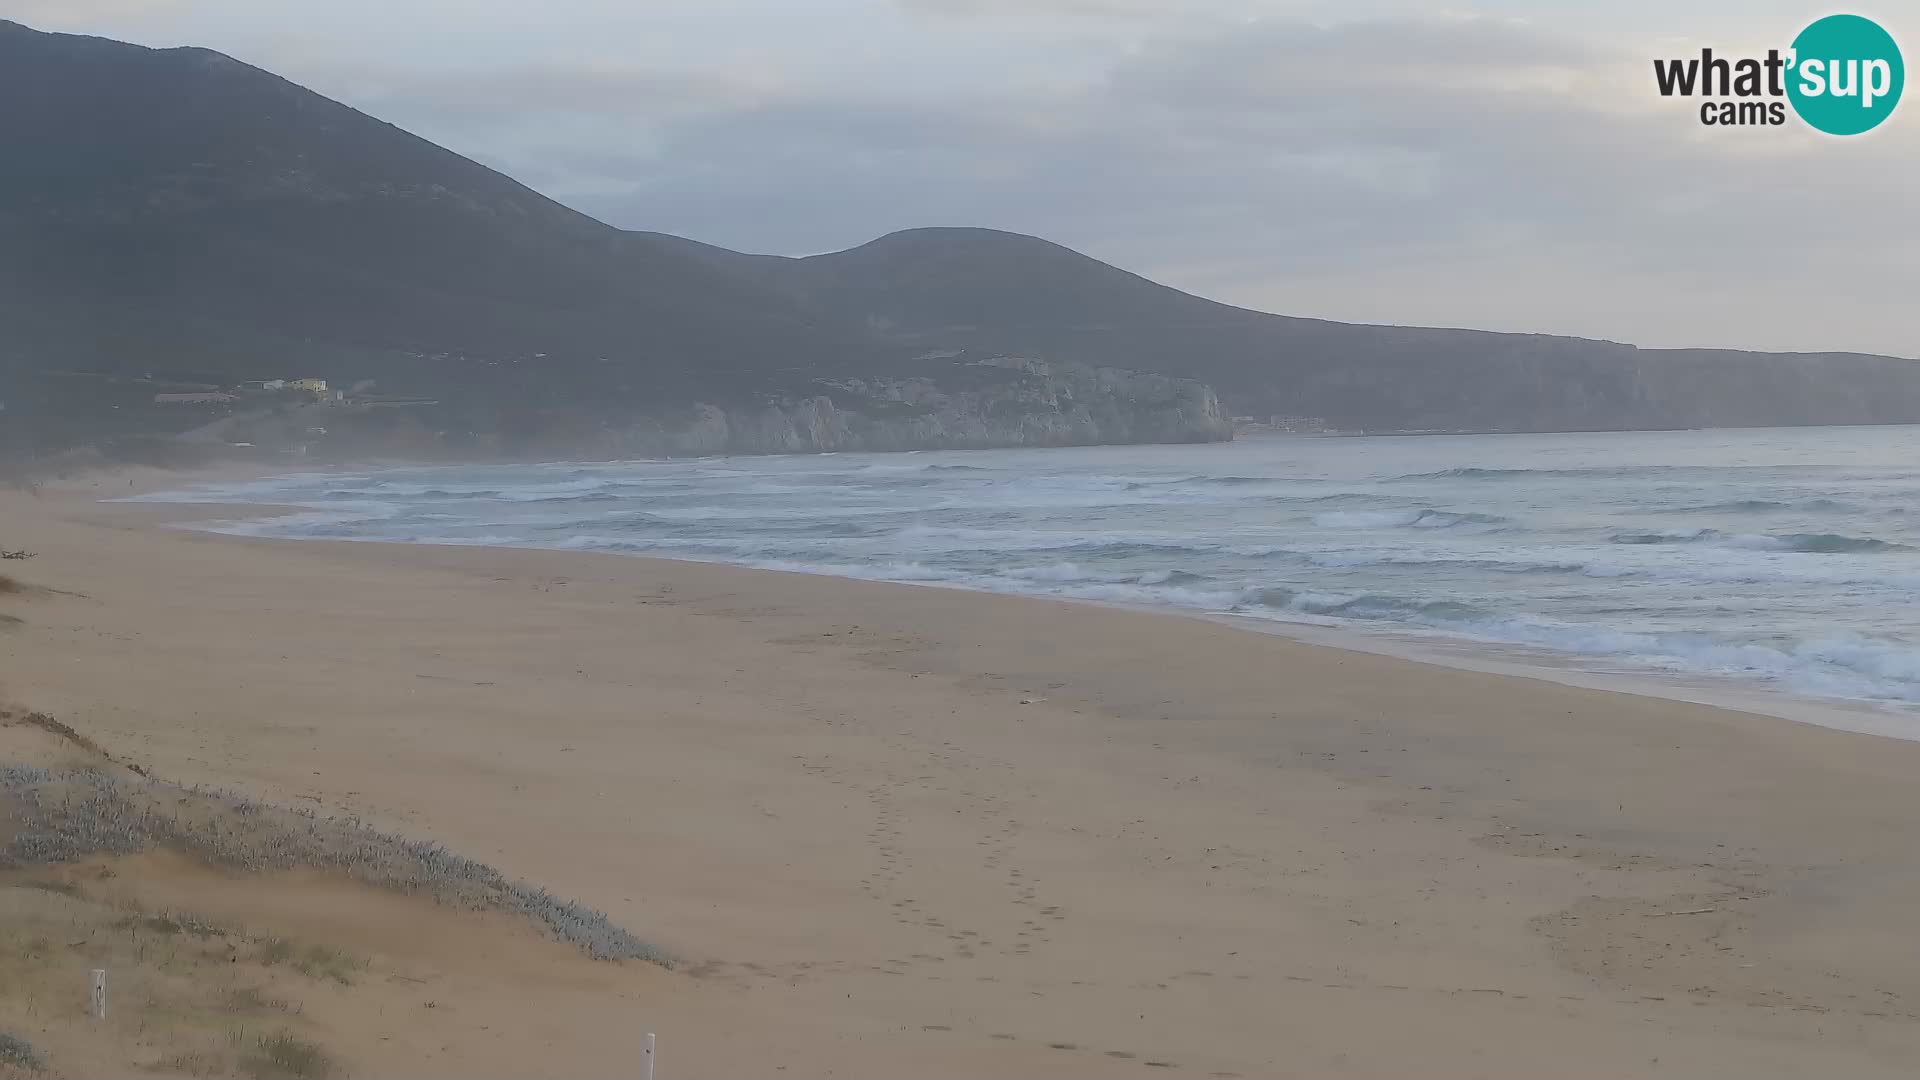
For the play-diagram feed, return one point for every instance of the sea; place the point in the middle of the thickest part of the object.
(1779, 565)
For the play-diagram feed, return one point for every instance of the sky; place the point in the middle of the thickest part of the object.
(1499, 164)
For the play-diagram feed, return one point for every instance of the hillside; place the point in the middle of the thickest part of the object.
(211, 212)
(178, 221)
(981, 289)
(174, 221)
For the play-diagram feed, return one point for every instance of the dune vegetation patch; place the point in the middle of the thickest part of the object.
(286, 1056)
(16, 717)
(19, 1054)
(185, 997)
(201, 985)
(66, 815)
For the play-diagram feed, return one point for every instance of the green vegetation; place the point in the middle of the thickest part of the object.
(286, 1056)
(19, 1053)
(314, 961)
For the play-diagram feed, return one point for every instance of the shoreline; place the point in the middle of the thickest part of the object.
(1440, 649)
(945, 832)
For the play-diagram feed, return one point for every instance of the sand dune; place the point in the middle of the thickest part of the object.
(894, 831)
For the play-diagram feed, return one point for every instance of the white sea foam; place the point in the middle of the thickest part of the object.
(1743, 562)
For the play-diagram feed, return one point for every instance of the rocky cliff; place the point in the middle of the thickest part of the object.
(1003, 401)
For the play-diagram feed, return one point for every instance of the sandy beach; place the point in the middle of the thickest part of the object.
(899, 831)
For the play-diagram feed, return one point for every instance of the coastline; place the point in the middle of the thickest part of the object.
(891, 827)
(1451, 650)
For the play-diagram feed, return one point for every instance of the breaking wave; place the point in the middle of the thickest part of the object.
(1769, 557)
(1810, 543)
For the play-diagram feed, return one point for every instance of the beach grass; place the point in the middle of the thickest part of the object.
(191, 994)
(65, 815)
(18, 1053)
(284, 1055)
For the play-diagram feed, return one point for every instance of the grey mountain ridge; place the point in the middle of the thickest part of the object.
(179, 217)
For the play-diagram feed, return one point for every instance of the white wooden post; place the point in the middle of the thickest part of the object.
(97, 994)
(649, 1056)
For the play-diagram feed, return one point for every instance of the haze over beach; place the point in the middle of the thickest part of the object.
(927, 538)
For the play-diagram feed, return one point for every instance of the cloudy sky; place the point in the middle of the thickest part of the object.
(1503, 164)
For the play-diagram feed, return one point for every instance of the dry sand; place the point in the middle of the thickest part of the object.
(897, 831)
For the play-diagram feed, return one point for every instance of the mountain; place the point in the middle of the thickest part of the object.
(177, 221)
(176, 207)
(174, 220)
(996, 291)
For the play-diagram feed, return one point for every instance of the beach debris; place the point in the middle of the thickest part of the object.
(18, 554)
(1694, 911)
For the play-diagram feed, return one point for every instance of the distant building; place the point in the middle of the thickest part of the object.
(311, 386)
(1313, 424)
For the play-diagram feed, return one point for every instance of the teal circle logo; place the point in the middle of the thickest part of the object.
(1845, 75)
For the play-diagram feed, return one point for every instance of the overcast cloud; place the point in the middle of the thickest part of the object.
(1502, 164)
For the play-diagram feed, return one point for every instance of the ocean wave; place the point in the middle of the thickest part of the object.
(591, 497)
(1767, 506)
(1478, 473)
(1171, 577)
(1061, 571)
(1369, 606)
(1471, 474)
(1544, 564)
(932, 538)
(1141, 595)
(1816, 543)
(1848, 666)
(1808, 543)
(1663, 536)
(896, 571)
(1401, 519)
(464, 540)
(593, 542)
(1520, 563)
(1610, 472)
(1076, 572)
(762, 516)
(1338, 497)
(1209, 481)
